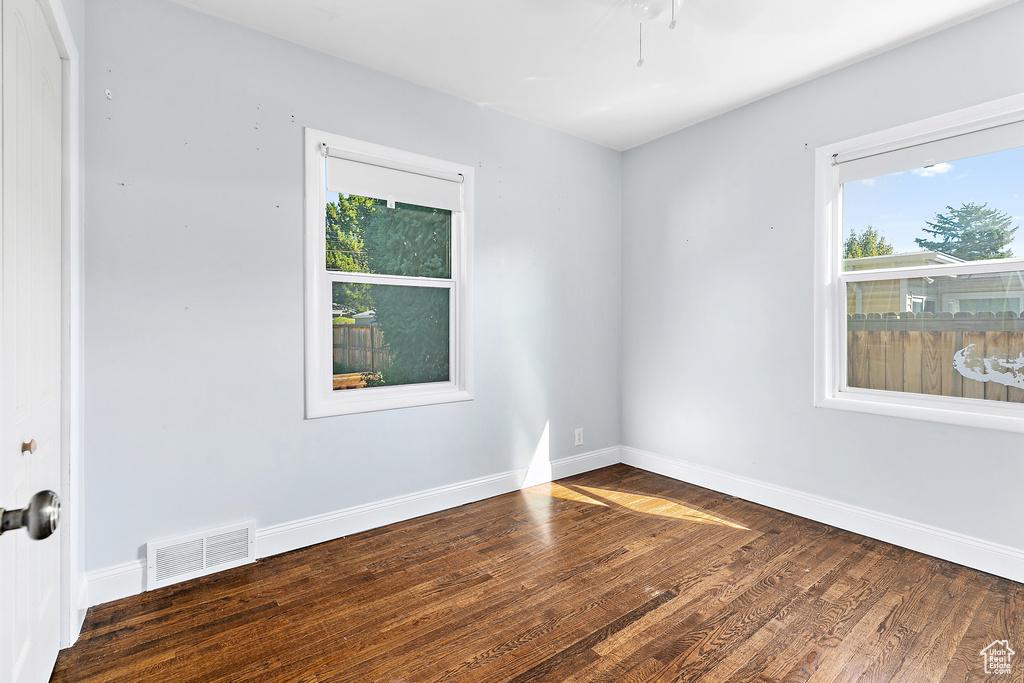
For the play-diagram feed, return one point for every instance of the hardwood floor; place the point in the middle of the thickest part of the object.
(616, 575)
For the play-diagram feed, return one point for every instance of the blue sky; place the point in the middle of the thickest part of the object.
(899, 204)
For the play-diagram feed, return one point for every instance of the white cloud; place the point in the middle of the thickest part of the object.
(932, 171)
(868, 181)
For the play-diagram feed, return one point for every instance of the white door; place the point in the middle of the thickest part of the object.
(30, 337)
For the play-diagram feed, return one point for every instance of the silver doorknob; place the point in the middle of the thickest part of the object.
(39, 518)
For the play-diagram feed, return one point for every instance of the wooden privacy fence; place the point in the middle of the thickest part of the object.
(359, 348)
(915, 353)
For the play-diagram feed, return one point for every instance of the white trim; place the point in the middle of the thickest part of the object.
(969, 551)
(982, 125)
(82, 593)
(300, 533)
(1006, 417)
(127, 579)
(826, 236)
(400, 280)
(282, 538)
(321, 399)
(116, 582)
(585, 462)
(73, 607)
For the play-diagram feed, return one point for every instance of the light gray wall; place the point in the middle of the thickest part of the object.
(193, 284)
(718, 283)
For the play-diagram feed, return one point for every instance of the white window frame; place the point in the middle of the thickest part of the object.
(981, 129)
(321, 398)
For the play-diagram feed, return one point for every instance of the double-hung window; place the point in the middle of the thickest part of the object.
(388, 278)
(919, 292)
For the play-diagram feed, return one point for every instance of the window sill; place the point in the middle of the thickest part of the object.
(354, 401)
(1007, 417)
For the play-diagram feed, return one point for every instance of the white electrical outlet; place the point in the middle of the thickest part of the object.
(579, 436)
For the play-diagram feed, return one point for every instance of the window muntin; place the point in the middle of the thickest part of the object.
(865, 357)
(389, 265)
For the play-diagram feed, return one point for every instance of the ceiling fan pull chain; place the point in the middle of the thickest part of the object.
(641, 61)
(672, 24)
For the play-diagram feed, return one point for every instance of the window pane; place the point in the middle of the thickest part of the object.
(948, 336)
(365, 236)
(388, 335)
(962, 210)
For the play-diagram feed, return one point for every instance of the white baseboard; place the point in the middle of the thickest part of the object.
(282, 538)
(585, 462)
(972, 552)
(119, 581)
(123, 580)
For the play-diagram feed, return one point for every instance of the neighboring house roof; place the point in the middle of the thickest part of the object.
(902, 260)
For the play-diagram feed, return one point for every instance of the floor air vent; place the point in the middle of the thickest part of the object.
(186, 557)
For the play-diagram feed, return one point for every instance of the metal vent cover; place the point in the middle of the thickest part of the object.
(186, 557)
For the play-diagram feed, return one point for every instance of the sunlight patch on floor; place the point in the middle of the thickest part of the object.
(556, 490)
(652, 505)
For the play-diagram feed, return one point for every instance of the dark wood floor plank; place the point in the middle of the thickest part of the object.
(967, 663)
(552, 598)
(945, 629)
(746, 663)
(897, 633)
(559, 594)
(504, 599)
(700, 583)
(616, 575)
(731, 586)
(736, 622)
(851, 620)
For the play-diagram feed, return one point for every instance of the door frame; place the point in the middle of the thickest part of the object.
(73, 589)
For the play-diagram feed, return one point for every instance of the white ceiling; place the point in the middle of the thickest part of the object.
(571, 65)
